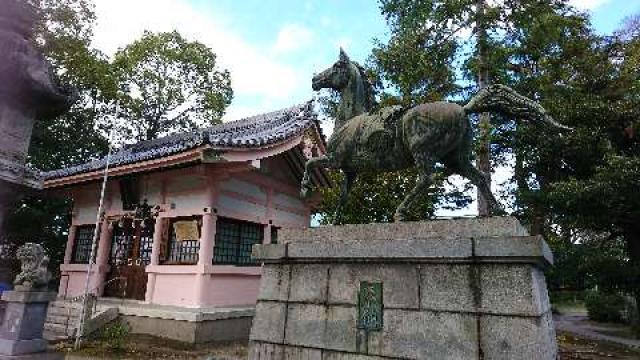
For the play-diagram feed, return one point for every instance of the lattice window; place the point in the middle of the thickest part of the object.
(82, 244)
(185, 251)
(121, 242)
(146, 242)
(234, 240)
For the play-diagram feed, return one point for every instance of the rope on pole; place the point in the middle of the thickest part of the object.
(94, 246)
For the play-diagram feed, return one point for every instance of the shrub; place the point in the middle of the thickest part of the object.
(115, 335)
(605, 307)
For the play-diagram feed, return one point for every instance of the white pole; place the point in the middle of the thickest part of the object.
(94, 246)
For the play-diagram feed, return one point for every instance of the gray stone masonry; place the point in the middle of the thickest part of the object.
(22, 325)
(454, 289)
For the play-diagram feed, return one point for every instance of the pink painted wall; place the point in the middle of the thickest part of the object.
(230, 290)
(73, 281)
(175, 289)
(264, 195)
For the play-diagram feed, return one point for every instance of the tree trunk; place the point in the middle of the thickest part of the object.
(483, 156)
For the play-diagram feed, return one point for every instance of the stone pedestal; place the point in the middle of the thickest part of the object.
(454, 289)
(22, 326)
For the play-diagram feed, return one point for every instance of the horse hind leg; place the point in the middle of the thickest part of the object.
(467, 170)
(425, 171)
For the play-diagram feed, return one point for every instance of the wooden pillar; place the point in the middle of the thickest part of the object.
(155, 258)
(157, 241)
(207, 239)
(207, 242)
(68, 252)
(205, 256)
(102, 258)
(269, 216)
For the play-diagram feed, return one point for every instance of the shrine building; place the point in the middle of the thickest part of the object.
(181, 213)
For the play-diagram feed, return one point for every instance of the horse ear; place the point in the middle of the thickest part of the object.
(343, 55)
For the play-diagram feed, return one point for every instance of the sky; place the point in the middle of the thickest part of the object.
(273, 48)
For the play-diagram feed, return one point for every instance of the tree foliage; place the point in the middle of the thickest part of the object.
(169, 84)
(375, 197)
(64, 36)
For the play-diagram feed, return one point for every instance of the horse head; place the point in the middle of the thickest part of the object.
(335, 77)
(350, 80)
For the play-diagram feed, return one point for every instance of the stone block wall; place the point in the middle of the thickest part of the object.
(444, 297)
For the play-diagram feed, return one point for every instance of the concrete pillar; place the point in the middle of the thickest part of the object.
(155, 258)
(102, 257)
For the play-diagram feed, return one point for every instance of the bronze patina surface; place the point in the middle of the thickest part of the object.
(367, 137)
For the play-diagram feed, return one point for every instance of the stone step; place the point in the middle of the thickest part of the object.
(54, 336)
(62, 312)
(61, 319)
(65, 304)
(59, 329)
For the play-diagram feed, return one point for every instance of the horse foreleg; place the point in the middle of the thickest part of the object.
(305, 185)
(425, 171)
(347, 183)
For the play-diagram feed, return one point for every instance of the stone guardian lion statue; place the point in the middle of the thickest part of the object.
(34, 274)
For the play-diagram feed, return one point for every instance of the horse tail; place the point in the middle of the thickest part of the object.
(504, 100)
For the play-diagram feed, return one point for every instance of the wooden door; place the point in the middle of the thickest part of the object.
(130, 255)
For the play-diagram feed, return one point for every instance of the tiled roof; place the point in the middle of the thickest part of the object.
(252, 132)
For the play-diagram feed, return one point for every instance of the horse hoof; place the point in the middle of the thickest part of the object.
(398, 217)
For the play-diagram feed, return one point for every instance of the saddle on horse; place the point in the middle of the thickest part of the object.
(384, 138)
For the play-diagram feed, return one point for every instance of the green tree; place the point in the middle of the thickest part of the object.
(586, 180)
(64, 36)
(169, 84)
(375, 197)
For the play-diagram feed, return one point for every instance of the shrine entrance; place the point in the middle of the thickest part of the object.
(131, 244)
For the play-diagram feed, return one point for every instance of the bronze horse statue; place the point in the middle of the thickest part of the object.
(393, 138)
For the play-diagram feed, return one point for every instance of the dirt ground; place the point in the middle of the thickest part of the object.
(142, 347)
(139, 347)
(572, 347)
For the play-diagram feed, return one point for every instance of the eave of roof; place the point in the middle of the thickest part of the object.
(260, 131)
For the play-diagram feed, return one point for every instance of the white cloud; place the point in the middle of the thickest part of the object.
(254, 73)
(588, 4)
(292, 37)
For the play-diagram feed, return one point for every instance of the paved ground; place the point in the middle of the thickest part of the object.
(581, 326)
(578, 339)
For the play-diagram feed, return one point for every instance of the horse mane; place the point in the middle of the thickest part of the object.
(369, 90)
